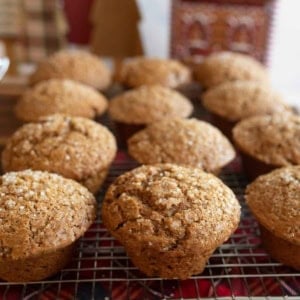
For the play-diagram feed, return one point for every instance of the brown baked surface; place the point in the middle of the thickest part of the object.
(73, 147)
(77, 65)
(170, 213)
(147, 104)
(144, 71)
(41, 212)
(274, 199)
(272, 139)
(60, 96)
(186, 142)
(237, 100)
(229, 66)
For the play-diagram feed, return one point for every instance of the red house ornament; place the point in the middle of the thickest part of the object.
(200, 27)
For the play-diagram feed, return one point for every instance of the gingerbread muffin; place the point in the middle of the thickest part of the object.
(73, 147)
(268, 142)
(77, 65)
(63, 96)
(133, 110)
(229, 66)
(186, 142)
(42, 215)
(233, 101)
(148, 71)
(170, 218)
(274, 199)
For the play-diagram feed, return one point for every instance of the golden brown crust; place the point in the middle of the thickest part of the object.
(274, 199)
(148, 104)
(76, 65)
(187, 142)
(148, 71)
(236, 100)
(60, 96)
(178, 213)
(271, 139)
(74, 147)
(41, 212)
(229, 66)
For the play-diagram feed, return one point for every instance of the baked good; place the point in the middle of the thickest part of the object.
(42, 215)
(77, 65)
(73, 147)
(274, 199)
(229, 66)
(268, 142)
(182, 141)
(232, 101)
(133, 110)
(148, 71)
(63, 96)
(170, 218)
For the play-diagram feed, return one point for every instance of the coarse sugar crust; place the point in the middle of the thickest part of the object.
(41, 212)
(172, 212)
(274, 199)
(229, 66)
(74, 147)
(148, 71)
(77, 65)
(236, 100)
(60, 96)
(187, 142)
(148, 104)
(272, 139)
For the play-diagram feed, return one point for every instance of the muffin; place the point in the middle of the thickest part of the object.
(186, 142)
(63, 96)
(268, 142)
(274, 199)
(133, 110)
(232, 101)
(170, 218)
(73, 147)
(148, 71)
(42, 215)
(77, 65)
(229, 66)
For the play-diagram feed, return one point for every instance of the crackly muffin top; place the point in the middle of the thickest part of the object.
(40, 211)
(144, 71)
(229, 66)
(77, 65)
(274, 199)
(186, 142)
(71, 146)
(148, 104)
(60, 96)
(273, 139)
(165, 206)
(237, 100)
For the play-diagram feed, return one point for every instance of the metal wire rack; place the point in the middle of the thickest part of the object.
(239, 269)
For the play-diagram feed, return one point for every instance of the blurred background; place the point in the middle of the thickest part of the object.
(266, 29)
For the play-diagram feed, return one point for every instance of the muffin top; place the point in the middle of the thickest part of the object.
(274, 199)
(167, 206)
(186, 142)
(74, 147)
(237, 100)
(76, 65)
(145, 71)
(60, 96)
(229, 66)
(40, 211)
(148, 104)
(273, 139)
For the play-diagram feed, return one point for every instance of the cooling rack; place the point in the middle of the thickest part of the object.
(239, 269)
